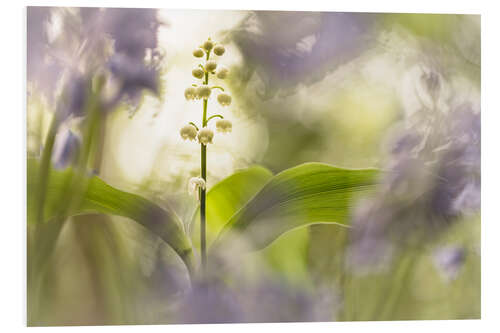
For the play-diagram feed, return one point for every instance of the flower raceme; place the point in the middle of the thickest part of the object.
(203, 91)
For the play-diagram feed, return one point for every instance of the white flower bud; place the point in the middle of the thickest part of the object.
(194, 185)
(224, 126)
(188, 132)
(198, 73)
(205, 135)
(210, 66)
(204, 91)
(208, 45)
(198, 53)
(219, 50)
(190, 93)
(222, 72)
(224, 99)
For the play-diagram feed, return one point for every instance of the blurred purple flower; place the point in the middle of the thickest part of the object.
(449, 261)
(266, 300)
(276, 301)
(92, 40)
(288, 48)
(432, 177)
(133, 76)
(209, 304)
(42, 70)
(66, 148)
(135, 34)
(134, 30)
(72, 102)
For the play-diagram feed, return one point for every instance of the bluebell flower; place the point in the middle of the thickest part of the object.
(134, 30)
(93, 40)
(432, 178)
(265, 300)
(66, 148)
(73, 98)
(209, 303)
(449, 260)
(288, 48)
(132, 76)
(42, 70)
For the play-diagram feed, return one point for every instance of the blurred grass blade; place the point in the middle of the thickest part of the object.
(307, 194)
(100, 197)
(226, 197)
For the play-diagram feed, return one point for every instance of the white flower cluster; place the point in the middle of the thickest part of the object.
(201, 72)
(203, 92)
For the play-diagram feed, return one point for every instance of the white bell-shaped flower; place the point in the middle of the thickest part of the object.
(190, 93)
(222, 72)
(205, 136)
(203, 91)
(219, 50)
(224, 126)
(198, 53)
(194, 186)
(208, 45)
(224, 99)
(189, 132)
(211, 65)
(198, 73)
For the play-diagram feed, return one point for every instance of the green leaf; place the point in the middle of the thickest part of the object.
(225, 198)
(310, 193)
(288, 255)
(99, 197)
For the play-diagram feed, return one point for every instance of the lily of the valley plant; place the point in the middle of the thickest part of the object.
(202, 133)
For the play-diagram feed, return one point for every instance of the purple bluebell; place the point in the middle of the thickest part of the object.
(73, 98)
(209, 303)
(288, 48)
(93, 40)
(42, 69)
(132, 76)
(432, 177)
(66, 148)
(449, 261)
(274, 300)
(265, 300)
(134, 30)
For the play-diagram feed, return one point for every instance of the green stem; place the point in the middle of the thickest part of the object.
(45, 166)
(194, 125)
(215, 116)
(203, 192)
(401, 279)
(203, 208)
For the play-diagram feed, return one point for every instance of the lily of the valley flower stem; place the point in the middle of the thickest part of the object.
(204, 135)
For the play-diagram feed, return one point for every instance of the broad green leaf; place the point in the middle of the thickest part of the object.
(226, 197)
(99, 197)
(310, 193)
(288, 255)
